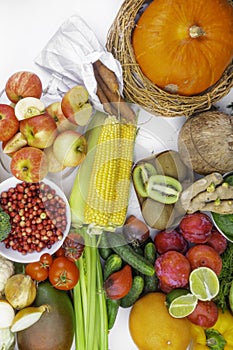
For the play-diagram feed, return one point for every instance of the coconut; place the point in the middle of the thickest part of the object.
(205, 142)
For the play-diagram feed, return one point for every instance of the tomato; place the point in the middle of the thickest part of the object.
(205, 314)
(46, 259)
(60, 252)
(73, 246)
(204, 255)
(63, 273)
(37, 271)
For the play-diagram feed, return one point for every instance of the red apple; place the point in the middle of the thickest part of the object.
(23, 84)
(40, 130)
(54, 166)
(55, 111)
(70, 148)
(29, 164)
(14, 144)
(75, 105)
(9, 124)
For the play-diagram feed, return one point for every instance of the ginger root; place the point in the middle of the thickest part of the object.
(209, 193)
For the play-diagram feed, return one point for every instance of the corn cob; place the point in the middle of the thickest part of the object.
(107, 170)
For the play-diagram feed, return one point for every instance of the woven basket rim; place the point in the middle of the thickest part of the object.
(138, 88)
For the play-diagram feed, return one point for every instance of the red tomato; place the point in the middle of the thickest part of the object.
(205, 314)
(73, 246)
(37, 271)
(63, 273)
(46, 259)
(204, 255)
(60, 252)
(172, 269)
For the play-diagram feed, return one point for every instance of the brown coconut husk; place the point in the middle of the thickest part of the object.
(205, 142)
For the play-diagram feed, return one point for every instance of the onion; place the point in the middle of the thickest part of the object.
(20, 291)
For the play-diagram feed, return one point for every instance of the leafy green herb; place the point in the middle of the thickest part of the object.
(225, 278)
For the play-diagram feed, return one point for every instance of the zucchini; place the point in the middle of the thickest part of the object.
(134, 293)
(112, 264)
(150, 282)
(112, 310)
(120, 246)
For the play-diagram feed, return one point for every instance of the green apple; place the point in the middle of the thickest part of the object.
(70, 148)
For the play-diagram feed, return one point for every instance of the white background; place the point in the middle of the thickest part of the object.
(25, 27)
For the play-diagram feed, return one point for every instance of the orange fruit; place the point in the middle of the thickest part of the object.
(152, 327)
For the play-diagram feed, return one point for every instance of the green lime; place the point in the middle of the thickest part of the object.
(204, 283)
(183, 305)
(175, 293)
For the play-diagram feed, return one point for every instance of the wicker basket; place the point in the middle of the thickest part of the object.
(138, 89)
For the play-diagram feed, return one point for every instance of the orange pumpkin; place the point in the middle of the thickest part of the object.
(184, 46)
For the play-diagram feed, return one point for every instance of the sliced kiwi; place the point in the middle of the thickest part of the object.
(164, 189)
(141, 176)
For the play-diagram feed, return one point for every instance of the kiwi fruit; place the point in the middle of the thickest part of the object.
(141, 175)
(164, 189)
(157, 215)
(169, 163)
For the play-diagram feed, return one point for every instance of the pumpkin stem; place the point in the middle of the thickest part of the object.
(196, 31)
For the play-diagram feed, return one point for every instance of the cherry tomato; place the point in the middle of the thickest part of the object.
(63, 273)
(46, 259)
(37, 271)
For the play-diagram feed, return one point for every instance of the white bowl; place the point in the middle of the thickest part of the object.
(16, 256)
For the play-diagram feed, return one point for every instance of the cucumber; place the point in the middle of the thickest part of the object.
(112, 264)
(134, 293)
(112, 310)
(150, 282)
(150, 252)
(104, 249)
(120, 246)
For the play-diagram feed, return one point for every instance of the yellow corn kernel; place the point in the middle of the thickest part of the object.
(107, 197)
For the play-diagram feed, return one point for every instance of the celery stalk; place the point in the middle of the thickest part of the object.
(91, 331)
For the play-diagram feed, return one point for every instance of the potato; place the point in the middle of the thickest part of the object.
(205, 142)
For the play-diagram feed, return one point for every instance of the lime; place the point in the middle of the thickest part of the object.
(183, 305)
(204, 283)
(175, 293)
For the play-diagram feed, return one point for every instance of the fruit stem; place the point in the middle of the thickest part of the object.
(196, 31)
